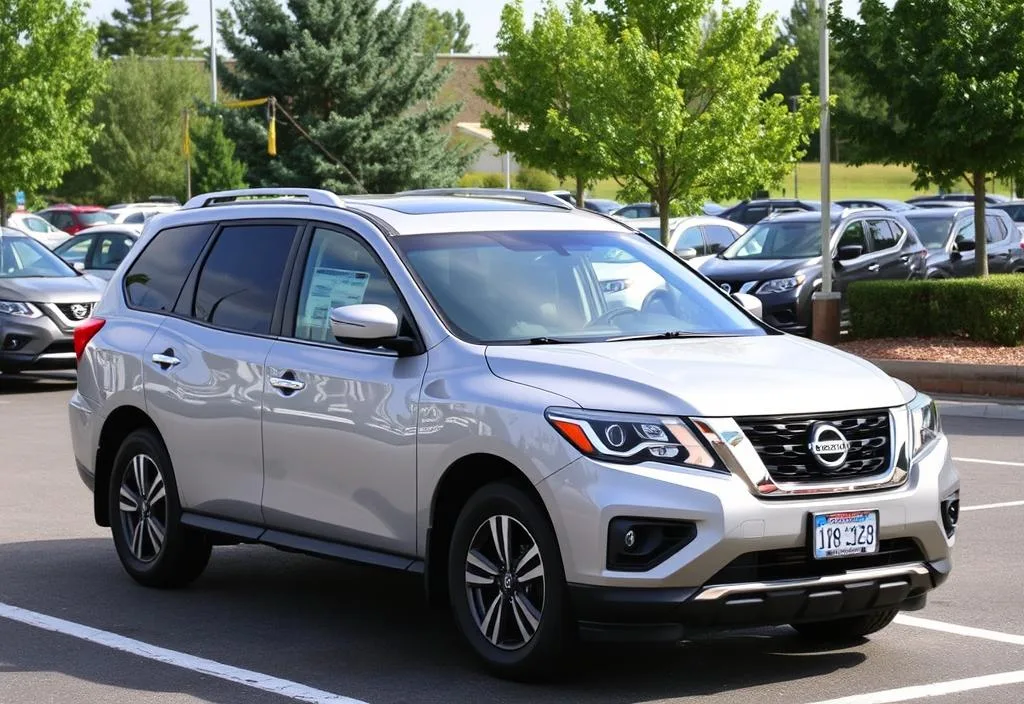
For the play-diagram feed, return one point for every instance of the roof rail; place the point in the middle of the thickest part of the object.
(535, 197)
(314, 196)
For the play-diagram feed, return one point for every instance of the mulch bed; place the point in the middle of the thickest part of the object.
(935, 350)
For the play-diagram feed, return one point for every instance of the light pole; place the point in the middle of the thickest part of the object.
(825, 303)
(213, 55)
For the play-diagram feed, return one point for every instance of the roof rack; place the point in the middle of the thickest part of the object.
(534, 197)
(313, 196)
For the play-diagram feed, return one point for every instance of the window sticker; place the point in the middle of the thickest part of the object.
(332, 288)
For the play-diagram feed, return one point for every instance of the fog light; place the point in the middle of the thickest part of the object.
(639, 544)
(15, 342)
(629, 539)
(950, 510)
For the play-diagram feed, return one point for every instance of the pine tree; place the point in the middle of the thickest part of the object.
(446, 32)
(355, 79)
(214, 166)
(149, 28)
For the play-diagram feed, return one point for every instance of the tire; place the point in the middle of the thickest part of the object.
(846, 629)
(183, 553)
(520, 628)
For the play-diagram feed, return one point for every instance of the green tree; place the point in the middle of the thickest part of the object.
(446, 32)
(677, 102)
(536, 89)
(149, 28)
(48, 79)
(139, 150)
(214, 166)
(951, 75)
(355, 79)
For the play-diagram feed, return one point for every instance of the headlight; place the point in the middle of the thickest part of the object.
(781, 285)
(615, 285)
(925, 425)
(19, 309)
(625, 438)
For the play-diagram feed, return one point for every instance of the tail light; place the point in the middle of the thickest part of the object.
(84, 333)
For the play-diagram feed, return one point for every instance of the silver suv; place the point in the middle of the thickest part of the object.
(440, 382)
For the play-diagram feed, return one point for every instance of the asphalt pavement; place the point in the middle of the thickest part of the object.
(266, 626)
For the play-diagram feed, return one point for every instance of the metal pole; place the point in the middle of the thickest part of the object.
(826, 148)
(213, 55)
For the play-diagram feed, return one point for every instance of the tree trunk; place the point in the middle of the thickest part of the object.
(3, 208)
(580, 183)
(980, 241)
(663, 207)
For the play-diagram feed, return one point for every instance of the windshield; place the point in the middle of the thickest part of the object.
(653, 232)
(547, 287)
(778, 240)
(933, 232)
(97, 217)
(23, 257)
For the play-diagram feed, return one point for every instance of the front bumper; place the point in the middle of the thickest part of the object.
(35, 344)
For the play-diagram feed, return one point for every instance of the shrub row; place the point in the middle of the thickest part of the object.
(986, 310)
(526, 179)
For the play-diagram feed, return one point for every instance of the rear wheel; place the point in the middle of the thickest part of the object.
(155, 548)
(846, 629)
(506, 584)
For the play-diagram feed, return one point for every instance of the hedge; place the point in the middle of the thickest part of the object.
(985, 310)
(482, 179)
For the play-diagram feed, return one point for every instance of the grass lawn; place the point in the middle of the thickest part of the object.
(868, 181)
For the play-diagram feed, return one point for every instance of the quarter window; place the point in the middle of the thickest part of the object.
(994, 231)
(340, 271)
(157, 276)
(241, 278)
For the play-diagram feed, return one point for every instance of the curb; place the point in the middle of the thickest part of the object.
(979, 408)
(989, 380)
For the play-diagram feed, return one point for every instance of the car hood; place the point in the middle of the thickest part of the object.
(714, 376)
(719, 269)
(76, 289)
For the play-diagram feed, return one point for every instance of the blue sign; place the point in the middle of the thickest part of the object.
(19, 199)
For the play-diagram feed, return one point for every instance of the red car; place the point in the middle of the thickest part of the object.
(72, 218)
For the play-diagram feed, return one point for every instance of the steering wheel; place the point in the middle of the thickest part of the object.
(608, 316)
(659, 297)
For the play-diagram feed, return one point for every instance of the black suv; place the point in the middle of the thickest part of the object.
(779, 260)
(751, 212)
(948, 233)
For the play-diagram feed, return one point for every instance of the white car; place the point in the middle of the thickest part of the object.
(138, 213)
(705, 235)
(37, 228)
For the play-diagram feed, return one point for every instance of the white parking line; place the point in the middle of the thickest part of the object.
(953, 628)
(248, 678)
(1001, 463)
(938, 689)
(1005, 504)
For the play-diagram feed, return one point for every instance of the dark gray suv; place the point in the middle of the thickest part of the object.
(948, 233)
(779, 260)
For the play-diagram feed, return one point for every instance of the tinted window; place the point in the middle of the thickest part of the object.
(74, 251)
(994, 230)
(690, 238)
(340, 271)
(136, 218)
(753, 215)
(854, 235)
(719, 237)
(96, 217)
(61, 220)
(932, 231)
(155, 279)
(240, 280)
(881, 236)
(111, 249)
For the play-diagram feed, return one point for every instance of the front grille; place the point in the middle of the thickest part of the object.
(783, 444)
(75, 311)
(797, 563)
(60, 347)
(735, 286)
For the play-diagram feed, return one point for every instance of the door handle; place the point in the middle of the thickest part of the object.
(905, 258)
(287, 383)
(873, 267)
(166, 359)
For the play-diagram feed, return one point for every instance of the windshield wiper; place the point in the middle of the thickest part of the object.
(667, 335)
(550, 341)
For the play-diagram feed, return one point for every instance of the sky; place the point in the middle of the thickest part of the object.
(482, 15)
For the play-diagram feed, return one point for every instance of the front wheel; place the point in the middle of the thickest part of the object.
(155, 548)
(846, 629)
(507, 585)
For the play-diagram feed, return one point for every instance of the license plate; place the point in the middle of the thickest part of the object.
(844, 534)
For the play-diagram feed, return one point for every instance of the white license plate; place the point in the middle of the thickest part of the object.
(844, 534)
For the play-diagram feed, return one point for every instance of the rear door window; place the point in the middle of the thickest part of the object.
(240, 280)
(691, 238)
(882, 236)
(994, 230)
(719, 237)
(111, 249)
(157, 276)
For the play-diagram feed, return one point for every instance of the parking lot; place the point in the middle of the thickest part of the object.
(266, 626)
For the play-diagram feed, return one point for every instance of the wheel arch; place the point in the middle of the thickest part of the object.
(122, 422)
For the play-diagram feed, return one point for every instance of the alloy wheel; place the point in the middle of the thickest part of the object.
(505, 582)
(143, 506)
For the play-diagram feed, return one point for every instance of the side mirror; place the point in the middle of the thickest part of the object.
(752, 304)
(965, 245)
(78, 266)
(365, 322)
(850, 251)
(686, 253)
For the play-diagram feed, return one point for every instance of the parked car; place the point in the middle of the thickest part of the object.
(875, 203)
(37, 228)
(750, 212)
(1015, 209)
(434, 382)
(990, 198)
(950, 238)
(637, 210)
(139, 213)
(693, 237)
(72, 218)
(779, 260)
(942, 204)
(601, 205)
(99, 250)
(42, 303)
